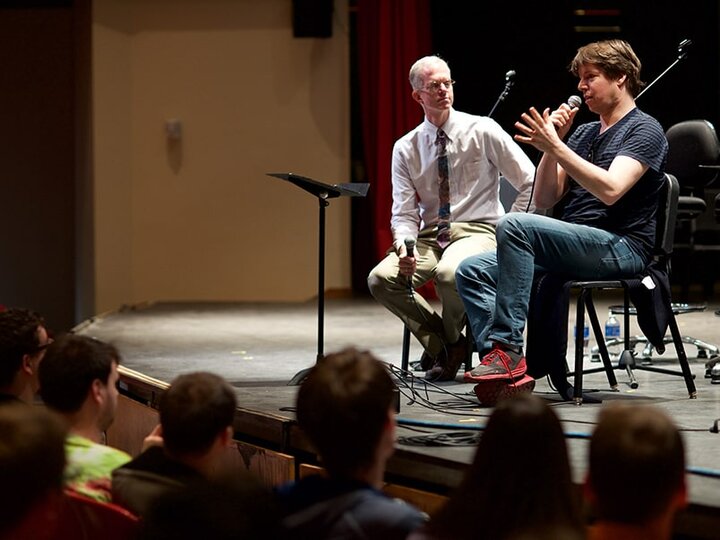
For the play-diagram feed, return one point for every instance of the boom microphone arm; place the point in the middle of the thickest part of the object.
(683, 47)
(509, 81)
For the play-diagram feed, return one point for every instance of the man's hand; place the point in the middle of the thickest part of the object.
(153, 439)
(546, 130)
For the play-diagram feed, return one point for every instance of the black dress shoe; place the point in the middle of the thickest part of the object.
(426, 361)
(449, 361)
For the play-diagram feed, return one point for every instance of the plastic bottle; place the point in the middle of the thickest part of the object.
(586, 336)
(612, 327)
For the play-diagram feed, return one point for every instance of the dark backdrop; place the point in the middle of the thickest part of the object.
(483, 40)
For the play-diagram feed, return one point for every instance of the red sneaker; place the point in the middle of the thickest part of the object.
(490, 392)
(498, 364)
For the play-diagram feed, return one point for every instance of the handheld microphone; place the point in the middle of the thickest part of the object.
(410, 246)
(574, 101)
(410, 252)
(510, 75)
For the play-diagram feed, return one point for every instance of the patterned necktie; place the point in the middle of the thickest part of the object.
(443, 227)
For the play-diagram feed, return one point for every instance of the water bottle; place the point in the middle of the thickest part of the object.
(612, 327)
(586, 335)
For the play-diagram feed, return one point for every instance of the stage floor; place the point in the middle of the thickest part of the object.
(259, 347)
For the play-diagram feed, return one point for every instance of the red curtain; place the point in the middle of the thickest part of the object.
(391, 35)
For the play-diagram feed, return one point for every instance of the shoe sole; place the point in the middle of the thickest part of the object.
(515, 374)
(491, 392)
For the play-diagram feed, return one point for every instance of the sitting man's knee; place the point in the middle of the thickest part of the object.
(375, 281)
(445, 276)
(511, 225)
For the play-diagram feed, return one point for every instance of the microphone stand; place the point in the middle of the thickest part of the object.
(509, 81)
(682, 54)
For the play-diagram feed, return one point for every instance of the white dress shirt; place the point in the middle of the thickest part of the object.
(479, 151)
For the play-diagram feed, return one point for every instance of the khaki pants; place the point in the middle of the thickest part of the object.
(432, 329)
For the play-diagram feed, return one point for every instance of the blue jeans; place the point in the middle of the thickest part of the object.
(495, 287)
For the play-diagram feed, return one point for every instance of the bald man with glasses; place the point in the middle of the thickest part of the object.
(446, 184)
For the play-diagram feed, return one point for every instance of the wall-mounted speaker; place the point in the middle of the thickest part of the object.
(312, 18)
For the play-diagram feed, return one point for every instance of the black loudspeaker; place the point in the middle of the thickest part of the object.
(312, 18)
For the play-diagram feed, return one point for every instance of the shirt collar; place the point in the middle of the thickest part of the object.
(447, 127)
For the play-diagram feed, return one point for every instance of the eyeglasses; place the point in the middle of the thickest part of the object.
(433, 86)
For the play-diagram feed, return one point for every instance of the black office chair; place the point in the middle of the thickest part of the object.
(660, 307)
(694, 159)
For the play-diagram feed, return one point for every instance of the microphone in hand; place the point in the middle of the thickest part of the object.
(559, 120)
(410, 246)
(574, 101)
(410, 252)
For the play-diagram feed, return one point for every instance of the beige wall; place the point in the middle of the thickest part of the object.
(198, 219)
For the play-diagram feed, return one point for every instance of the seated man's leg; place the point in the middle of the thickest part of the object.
(530, 242)
(392, 291)
(468, 239)
(476, 279)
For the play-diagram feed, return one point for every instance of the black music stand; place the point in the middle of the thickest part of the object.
(323, 192)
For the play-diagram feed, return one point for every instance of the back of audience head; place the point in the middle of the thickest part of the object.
(520, 482)
(23, 339)
(637, 465)
(194, 411)
(75, 368)
(32, 460)
(344, 406)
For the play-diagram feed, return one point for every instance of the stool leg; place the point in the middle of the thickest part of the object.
(602, 348)
(471, 346)
(404, 358)
(579, 338)
(682, 358)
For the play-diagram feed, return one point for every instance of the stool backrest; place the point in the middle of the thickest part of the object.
(666, 216)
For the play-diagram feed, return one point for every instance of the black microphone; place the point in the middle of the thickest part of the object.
(510, 75)
(410, 246)
(410, 252)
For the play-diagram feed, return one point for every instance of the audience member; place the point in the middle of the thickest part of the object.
(78, 379)
(196, 425)
(636, 479)
(23, 339)
(345, 408)
(519, 485)
(32, 459)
